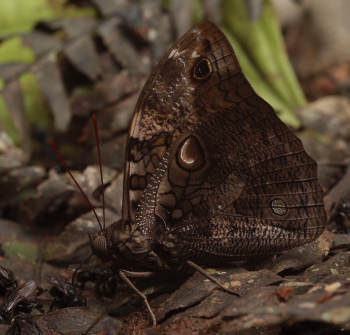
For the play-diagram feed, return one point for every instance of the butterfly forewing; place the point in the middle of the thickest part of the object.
(174, 98)
(211, 173)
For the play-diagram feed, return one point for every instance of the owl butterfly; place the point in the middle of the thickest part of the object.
(212, 175)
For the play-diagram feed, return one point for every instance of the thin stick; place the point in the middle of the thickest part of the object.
(76, 183)
(100, 161)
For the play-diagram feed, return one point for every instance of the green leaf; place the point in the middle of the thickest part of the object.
(7, 122)
(12, 50)
(21, 15)
(261, 52)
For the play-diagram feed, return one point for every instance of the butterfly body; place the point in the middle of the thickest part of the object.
(212, 174)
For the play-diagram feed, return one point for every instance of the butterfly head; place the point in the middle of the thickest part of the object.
(106, 243)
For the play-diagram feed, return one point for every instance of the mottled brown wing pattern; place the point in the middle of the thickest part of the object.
(212, 174)
(174, 100)
(256, 197)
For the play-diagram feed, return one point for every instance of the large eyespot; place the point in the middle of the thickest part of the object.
(190, 155)
(279, 207)
(202, 69)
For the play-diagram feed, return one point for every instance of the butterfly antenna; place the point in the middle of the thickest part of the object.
(101, 176)
(76, 183)
(76, 272)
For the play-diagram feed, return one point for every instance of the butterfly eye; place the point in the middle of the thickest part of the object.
(202, 69)
(100, 245)
(279, 207)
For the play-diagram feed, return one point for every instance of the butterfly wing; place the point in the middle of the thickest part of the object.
(248, 189)
(172, 99)
(212, 171)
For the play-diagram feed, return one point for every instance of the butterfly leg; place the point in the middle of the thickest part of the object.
(144, 274)
(123, 275)
(210, 277)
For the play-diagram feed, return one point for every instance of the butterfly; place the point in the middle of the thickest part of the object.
(212, 175)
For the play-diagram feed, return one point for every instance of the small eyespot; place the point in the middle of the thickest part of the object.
(202, 69)
(279, 207)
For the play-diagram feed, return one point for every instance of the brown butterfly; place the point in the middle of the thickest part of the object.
(212, 175)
